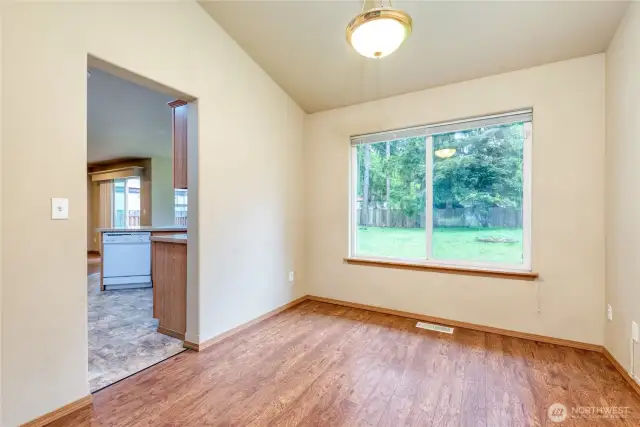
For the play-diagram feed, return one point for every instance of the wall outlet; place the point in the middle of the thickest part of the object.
(634, 331)
(291, 276)
(609, 312)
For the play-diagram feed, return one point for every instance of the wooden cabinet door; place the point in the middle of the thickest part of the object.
(170, 288)
(179, 143)
(157, 310)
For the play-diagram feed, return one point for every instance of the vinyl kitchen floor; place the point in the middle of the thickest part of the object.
(122, 334)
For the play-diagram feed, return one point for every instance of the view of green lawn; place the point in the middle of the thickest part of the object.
(449, 243)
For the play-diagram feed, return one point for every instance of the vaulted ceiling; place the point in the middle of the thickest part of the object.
(301, 44)
(125, 119)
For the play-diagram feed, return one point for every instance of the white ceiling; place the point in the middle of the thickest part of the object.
(301, 44)
(125, 119)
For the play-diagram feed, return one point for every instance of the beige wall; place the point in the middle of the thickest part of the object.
(622, 178)
(195, 317)
(2, 5)
(90, 210)
(567, 202)
(249, 169)
(93, 214)
(162, 193)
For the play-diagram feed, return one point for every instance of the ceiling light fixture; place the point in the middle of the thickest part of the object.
(378, 31)
(445, 153)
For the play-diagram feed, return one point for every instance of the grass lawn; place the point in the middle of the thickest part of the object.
(448, 243)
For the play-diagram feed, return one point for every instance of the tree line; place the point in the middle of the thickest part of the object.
(484, 172)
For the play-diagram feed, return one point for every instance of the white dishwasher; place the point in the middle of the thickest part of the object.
(126, 260)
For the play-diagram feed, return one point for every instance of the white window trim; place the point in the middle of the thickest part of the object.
(353, 201)
(444, 127)
(126, 200)
(176, 205)
(428, 131)
(114, 212)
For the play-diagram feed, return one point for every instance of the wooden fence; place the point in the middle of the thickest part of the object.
(133, 219)
(451, 217)
(383, 217)
(181, 220)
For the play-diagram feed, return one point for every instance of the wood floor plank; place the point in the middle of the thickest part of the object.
(318, 364)
(319, 377)
(333, 383)
(380, 383)
(473, 412)
(396, 413)
(248, 383)
(336, 407)
(436, 376)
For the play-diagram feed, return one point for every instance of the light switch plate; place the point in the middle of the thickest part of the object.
(59, 208)
(634, 331)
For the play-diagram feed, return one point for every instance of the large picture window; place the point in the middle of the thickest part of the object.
(447, 194)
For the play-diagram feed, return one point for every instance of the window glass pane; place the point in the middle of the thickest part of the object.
(181, 207)
(119, 219)
(133, 201)
(390, 199)
(477, 194)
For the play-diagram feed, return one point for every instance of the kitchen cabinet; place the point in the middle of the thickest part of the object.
(169, 264)
(179, 126)
(169, 230)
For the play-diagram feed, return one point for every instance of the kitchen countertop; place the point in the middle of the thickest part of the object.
(171, 238)
(177, 228)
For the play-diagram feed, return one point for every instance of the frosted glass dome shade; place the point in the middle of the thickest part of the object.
(378, 33)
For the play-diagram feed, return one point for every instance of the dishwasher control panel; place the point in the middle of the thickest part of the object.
(120, 237)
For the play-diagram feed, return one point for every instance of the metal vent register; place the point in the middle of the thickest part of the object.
(432, 327)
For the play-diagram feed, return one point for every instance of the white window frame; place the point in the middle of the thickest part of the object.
(525, 116)
(114, 211)
(176, 205)
(127, 188)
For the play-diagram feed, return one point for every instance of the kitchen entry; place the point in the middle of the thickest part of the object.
(137, 214)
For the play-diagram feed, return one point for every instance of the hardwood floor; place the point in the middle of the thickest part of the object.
(326, 365)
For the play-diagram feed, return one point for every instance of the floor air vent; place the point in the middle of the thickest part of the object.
(432, 327)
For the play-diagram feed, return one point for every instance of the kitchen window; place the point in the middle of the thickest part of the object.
(454, 194)
(126, 202)
(181, 207)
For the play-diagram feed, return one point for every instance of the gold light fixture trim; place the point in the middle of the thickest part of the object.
(383, 29)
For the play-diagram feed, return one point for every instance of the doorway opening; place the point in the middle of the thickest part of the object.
(139, 232)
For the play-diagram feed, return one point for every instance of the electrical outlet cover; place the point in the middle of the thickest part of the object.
(609, 312)
(634, 331)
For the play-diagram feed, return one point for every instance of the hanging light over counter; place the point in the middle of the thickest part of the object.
(379, 30)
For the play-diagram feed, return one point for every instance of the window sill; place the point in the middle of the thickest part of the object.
(501, 274)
